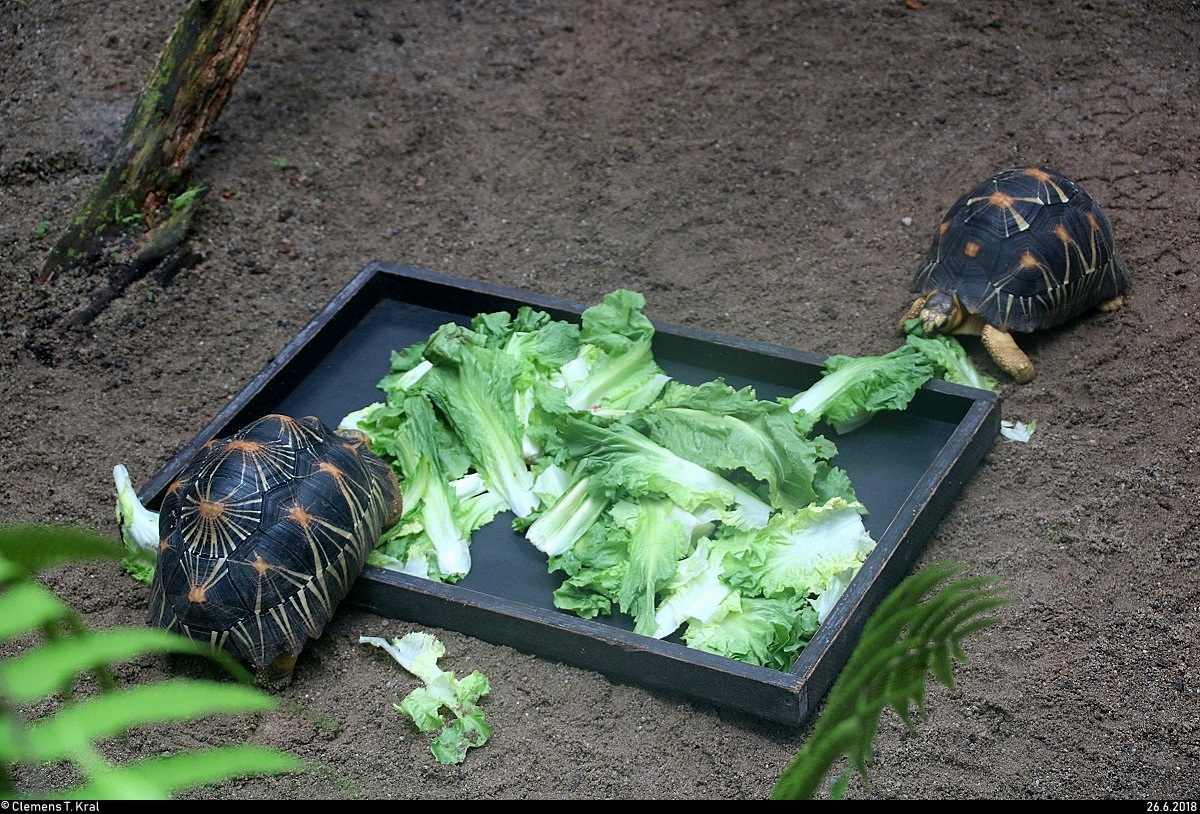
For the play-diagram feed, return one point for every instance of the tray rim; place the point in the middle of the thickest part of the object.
(788, 696)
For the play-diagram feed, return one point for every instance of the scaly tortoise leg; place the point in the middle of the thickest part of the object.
(278, 674)
(1004, 351)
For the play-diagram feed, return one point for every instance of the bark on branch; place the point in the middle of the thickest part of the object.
(140, 213)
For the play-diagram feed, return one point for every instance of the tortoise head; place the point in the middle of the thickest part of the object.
(941, 313)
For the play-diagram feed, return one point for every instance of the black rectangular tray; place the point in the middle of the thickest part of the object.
(906, 467)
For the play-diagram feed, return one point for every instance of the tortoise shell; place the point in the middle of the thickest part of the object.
(262, 535)
(1024, 250)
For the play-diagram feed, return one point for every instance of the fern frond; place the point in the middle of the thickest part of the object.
(35, 548)
(26, 607)
(49, 668)
(914, 632)
(160, 777)
(85, 722)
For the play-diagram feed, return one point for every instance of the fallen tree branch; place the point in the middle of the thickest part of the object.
(141, 211)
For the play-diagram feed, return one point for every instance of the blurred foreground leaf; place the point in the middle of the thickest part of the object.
(62, 650)
(913, 632)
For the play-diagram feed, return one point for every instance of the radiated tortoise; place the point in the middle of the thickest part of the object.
(1025, 250)
(263, 534)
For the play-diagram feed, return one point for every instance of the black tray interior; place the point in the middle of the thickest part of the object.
(906, 468)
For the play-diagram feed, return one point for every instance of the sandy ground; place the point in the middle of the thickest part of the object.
(767, 170)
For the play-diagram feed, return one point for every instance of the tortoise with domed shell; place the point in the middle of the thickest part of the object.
(263, 534)
(1025, 250)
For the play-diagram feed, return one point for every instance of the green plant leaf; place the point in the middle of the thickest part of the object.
(160, 777)
(912, 633)
(26, 606)
(39, 547)
(81, 723)
(188, 197)
(10, 571)
(46, 669)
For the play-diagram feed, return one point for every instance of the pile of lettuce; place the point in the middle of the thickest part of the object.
(699, 510)
(463, 725)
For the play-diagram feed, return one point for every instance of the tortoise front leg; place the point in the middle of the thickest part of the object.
(1004, 351)
(913, 312)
